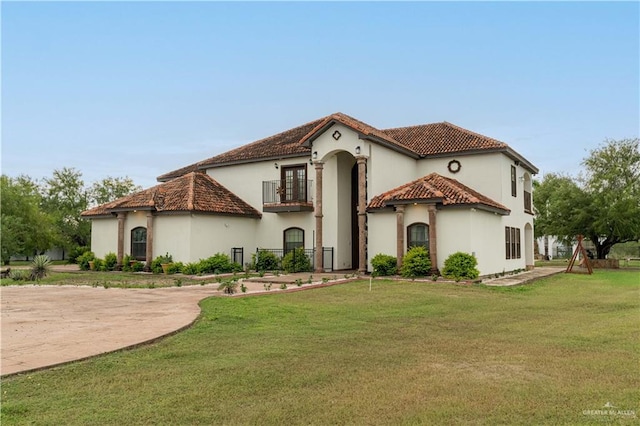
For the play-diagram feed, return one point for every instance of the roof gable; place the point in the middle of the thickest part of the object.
(192, 192)
(437, 189)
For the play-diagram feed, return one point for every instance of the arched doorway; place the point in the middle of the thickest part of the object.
(528, 246)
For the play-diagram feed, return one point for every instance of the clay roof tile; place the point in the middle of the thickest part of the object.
(192, 192)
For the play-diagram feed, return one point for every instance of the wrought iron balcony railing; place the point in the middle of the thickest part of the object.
(287, 195)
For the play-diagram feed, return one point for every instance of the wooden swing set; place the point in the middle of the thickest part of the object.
(585, 259)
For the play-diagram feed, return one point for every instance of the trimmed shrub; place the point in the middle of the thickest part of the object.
(175, 268)
(416, 263)
(384, 265)
(460, 266)
(138, 267)
(190, 269)
(110, 261)
(296, 261)
(219, 263)
(83, 260)
(99, 265)
(266, 261)
(126, 263)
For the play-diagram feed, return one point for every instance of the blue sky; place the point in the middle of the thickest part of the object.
(140, 89)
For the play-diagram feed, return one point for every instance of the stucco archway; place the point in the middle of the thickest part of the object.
(341, 207)
(528, 246)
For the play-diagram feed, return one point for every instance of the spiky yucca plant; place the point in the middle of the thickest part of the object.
(40, 267)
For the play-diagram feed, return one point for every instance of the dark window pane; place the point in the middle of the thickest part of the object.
(418, 235)
(139, 243)
(293, 238)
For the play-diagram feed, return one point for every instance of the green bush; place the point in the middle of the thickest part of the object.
(460, 266)
(416, 263)
(138, 266)
(175, 268)
(110, 261)
(384, 265)
(20, 275)
(219, 263)
(126, 263)
(296, 261)
(156, 264)
(190, 269)
(266, 261)
(99, 265)
(83, 260)
(76, 252)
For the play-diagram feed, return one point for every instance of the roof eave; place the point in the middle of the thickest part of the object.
(521, 160)
(254, 160)
(97, 216)
(479, 206)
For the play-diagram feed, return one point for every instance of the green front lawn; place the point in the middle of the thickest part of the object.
(551, 352)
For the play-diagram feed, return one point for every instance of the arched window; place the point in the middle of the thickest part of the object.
(139, 243)
(418, 235)
(293, 238)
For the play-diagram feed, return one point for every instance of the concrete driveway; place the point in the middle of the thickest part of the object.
(49, 325)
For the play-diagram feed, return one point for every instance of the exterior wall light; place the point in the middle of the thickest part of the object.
(315, 155)
(276, 165)
(358, 149)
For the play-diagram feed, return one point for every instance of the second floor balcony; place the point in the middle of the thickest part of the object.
(287, 195)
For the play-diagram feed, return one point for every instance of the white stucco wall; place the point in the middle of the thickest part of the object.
(171, 235)
(104, 236)
(245, 180)
(219, 234)
(382, 234)
(470, 231)
(482, 172)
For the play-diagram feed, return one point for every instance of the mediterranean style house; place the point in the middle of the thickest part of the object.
(342, 189)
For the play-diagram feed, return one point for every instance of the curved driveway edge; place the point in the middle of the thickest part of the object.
(44, 326)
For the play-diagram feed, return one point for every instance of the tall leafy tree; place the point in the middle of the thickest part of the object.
(603, 204)
(110, 188)
(26, 229)
(64, 198)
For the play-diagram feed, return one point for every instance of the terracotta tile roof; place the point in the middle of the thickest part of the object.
(193, 192)
(283, 144)
(436, 139)
(442, 138)
(436, 188)
(351, 122)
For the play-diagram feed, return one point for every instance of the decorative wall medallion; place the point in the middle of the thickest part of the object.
(336, 135)
(454, 166)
